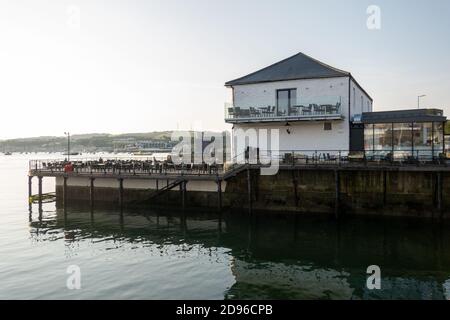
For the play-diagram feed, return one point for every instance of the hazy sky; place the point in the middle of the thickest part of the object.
(133, 66)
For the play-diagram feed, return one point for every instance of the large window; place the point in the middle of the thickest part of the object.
(382, 134)
(438, 137)
(286, 98)
(402, 140)
(368, 139)
(422, 138)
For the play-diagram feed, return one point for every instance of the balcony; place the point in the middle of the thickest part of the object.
(323, 108)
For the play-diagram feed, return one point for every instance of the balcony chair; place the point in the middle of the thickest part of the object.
(265, 110)
(270, 111)
(245, 112)
(306, 109)
(335, 109)
(281, 113)
(326, 108)
(316, 108)
(254, 112)
(293, 111)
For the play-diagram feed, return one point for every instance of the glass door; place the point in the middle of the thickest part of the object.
(286, 99)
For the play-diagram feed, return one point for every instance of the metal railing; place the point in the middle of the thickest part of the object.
(264, 113)
(123, 167)
(249, 157)
(341, 157)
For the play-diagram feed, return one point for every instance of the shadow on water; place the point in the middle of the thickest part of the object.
(280, 256)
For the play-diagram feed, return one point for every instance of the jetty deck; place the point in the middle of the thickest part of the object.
(147, 169)
(327, 179)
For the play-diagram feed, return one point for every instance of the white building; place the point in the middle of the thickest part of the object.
(311, 103)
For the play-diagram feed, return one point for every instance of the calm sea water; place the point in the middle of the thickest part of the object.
(165, 254)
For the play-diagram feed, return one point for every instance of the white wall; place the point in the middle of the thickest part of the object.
(355, 100)
(304, 135)
(264, 94)
(193, 185)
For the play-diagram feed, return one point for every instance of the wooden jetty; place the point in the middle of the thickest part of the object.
(335, 187)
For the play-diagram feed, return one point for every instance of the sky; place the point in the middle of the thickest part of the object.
(112, 66)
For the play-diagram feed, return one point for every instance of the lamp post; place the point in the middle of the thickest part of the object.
(418, 100)
(68, 145)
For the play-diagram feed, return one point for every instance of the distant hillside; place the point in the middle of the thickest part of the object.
(82, 142)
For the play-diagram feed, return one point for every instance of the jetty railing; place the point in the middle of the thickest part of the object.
(341, 157)
(121, 166)
(304, 108)
(250, 156)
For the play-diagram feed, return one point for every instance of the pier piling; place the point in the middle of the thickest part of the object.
(219, 194)
(64, 191)
(337, 193)
(183, 193)
(40, 193)
(295, 183)
(439, 193)
(91, 192)
(249, 190)
(30, 190)
(121, 192)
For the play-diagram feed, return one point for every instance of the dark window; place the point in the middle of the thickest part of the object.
(286, 99)
(327, 126)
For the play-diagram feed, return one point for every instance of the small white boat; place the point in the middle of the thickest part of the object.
(72, 154)
(142, 153)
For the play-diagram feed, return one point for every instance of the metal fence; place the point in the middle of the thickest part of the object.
(273, 112)
(340, 157)
(250, 156)
(120, 166)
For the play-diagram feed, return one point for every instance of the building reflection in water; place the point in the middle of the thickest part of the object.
(278, 256)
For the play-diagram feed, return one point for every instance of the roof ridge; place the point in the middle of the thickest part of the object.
(269, 66)
(344, 73)
(324, 64)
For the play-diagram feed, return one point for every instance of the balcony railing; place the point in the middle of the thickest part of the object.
(315, 109)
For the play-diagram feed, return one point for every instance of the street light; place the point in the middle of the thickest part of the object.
(418, 100)
(68, 145)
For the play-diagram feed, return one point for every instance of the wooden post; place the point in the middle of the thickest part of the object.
(120, 192)
(64, 191)
(157, 184)
(219, 194)
(249, 190)
(384, 187)
(295, 181)
(40, 188)
(40, 194)
(30, 190)
(337, 193)
(91, 192)
(183, 193)
(30, 199)
(439, 193)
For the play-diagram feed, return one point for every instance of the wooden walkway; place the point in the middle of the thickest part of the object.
(180, 177)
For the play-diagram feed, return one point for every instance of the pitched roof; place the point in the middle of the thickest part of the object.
(299, 66)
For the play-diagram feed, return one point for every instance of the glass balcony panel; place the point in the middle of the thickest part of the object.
(287, 108)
